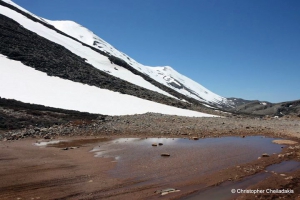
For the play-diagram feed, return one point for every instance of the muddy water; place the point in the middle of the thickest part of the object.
(136, 158)
(223, 191)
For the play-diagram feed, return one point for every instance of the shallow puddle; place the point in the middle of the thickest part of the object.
(223, 191)
(141, 160)
(137, 158)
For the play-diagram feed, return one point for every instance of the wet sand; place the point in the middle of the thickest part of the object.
(32, 172)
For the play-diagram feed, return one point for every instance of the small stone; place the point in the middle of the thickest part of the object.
(265, 155)
(282, 175)
(67, 148)
(166, 191)
(47, 137)
(160, 144)
(289, 154)
(195, 138)
(165, 154)
(154, 144)
(287, 178)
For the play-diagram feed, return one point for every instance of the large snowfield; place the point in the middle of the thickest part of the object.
(28, 85)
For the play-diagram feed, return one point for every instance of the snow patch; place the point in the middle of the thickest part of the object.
(45, 143)
(28, 85)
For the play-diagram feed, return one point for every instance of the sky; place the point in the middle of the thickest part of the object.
(236, 48)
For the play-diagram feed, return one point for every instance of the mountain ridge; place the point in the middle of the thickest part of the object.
(14, 49)
(188, 87)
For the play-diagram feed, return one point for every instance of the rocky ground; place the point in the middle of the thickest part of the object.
(161, 125)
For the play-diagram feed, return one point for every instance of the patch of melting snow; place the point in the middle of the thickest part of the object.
(45, 143)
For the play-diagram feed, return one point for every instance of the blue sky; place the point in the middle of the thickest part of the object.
(242, 48)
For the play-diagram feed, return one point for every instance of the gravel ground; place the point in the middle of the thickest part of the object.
(150, 124)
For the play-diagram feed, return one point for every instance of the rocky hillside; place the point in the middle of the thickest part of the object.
(263, 108)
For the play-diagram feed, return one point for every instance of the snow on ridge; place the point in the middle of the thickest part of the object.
(23, 9)
(92, 57)
(190, 84)
(28, 85)
(87, 36)
(165, 75)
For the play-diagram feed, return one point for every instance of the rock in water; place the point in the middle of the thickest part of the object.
(265, 155)
(166, 191)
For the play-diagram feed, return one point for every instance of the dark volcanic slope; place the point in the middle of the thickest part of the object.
(18, 43)
(15, 115)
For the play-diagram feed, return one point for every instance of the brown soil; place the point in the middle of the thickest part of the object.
(31, 172)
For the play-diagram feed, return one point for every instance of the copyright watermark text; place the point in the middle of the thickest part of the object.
(267, 191)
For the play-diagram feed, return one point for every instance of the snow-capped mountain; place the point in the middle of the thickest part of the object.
(64, 65)
(164, 75)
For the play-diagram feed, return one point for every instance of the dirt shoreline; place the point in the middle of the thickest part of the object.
(30, 172)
